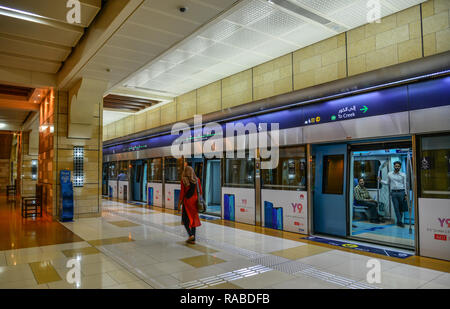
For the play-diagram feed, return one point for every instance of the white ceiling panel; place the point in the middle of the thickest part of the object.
(220, 31)
(221, 51)
(246, 38)
(184, 70)
(276, 23)
(196, 45)
(164, 22)
(249, 58)
(177, 56)
(251, 12)
(123, 52)
(226, 68)
(402, 4)
(149, 34)
(324, 6)
(274, 48)
(201, 62)
(197, 10)
(116, 62)
(308, 34)
(137, 45)
(356, 15)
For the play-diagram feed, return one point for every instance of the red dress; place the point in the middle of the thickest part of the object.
(190, 205)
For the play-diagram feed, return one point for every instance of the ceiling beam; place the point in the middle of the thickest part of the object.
(18, 105)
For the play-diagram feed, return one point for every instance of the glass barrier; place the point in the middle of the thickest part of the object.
(155, 170)
(173, 168)
(123, 171)
(113, 170)
(434, 165)
(239, 172)
(290, 173)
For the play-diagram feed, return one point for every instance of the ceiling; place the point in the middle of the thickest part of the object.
(250, 33)
(152, 29)
(17, 104)
(35, 35)
(123, 103)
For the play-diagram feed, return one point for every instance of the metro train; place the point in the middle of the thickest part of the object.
(325, 145)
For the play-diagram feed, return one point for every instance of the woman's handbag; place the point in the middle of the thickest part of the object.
(201, 205)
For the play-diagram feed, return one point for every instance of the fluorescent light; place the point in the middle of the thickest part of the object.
(2, 125)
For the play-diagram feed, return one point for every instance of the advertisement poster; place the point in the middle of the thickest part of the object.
(434, 232)
(172, 195)
(154, 194)
(238, 204)
(285, 210)
(124, 190)
(112, 189)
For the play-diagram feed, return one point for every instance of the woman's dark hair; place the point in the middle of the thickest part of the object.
(398, 162)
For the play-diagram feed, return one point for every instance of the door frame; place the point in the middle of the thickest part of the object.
(406, 139)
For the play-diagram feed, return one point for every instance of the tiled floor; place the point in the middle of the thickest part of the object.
(132, 248)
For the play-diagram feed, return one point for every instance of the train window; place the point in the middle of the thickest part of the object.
(367, 169)
(333, 174)
(155, 170)
(290, 173)
(239, 172)
(173, 168)
(434, 166)
(123, 171)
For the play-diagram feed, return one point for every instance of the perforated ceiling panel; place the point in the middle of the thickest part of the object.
(276, 23)
(253, 32)
(254, 10)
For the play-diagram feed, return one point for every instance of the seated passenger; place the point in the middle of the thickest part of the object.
(363, 198)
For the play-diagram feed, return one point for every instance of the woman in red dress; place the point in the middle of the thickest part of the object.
(188, 198)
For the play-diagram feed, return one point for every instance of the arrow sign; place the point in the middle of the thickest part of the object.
(364, 109)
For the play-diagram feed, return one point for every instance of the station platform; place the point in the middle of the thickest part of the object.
(141, 247)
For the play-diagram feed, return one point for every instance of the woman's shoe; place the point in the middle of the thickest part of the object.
(191, 240)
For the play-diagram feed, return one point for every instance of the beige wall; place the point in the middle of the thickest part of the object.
(56, 153)
(397, 39)
(87, 198)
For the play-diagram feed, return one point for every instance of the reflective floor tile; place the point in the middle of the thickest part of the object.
(123, 223)
(300, 252)
(202, 260)
(110, 241)
(44, 272)
(122, 276)
(70, 253)
(263, 280)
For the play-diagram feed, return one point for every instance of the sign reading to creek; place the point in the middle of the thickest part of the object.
(375, 103)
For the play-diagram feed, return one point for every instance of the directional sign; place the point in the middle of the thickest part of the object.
(364, 109)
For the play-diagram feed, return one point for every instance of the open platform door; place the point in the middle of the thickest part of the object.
(330, 214)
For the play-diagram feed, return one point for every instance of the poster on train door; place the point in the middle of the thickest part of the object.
(238, 204)
(154, 194)
(172, 192)
(285, 210)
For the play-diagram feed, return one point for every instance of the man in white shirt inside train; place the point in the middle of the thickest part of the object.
(397, 180)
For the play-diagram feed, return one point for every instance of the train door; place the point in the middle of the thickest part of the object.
(381, 210)
(105, 179)
(137, 180)
(329, 195)
(212, 186)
